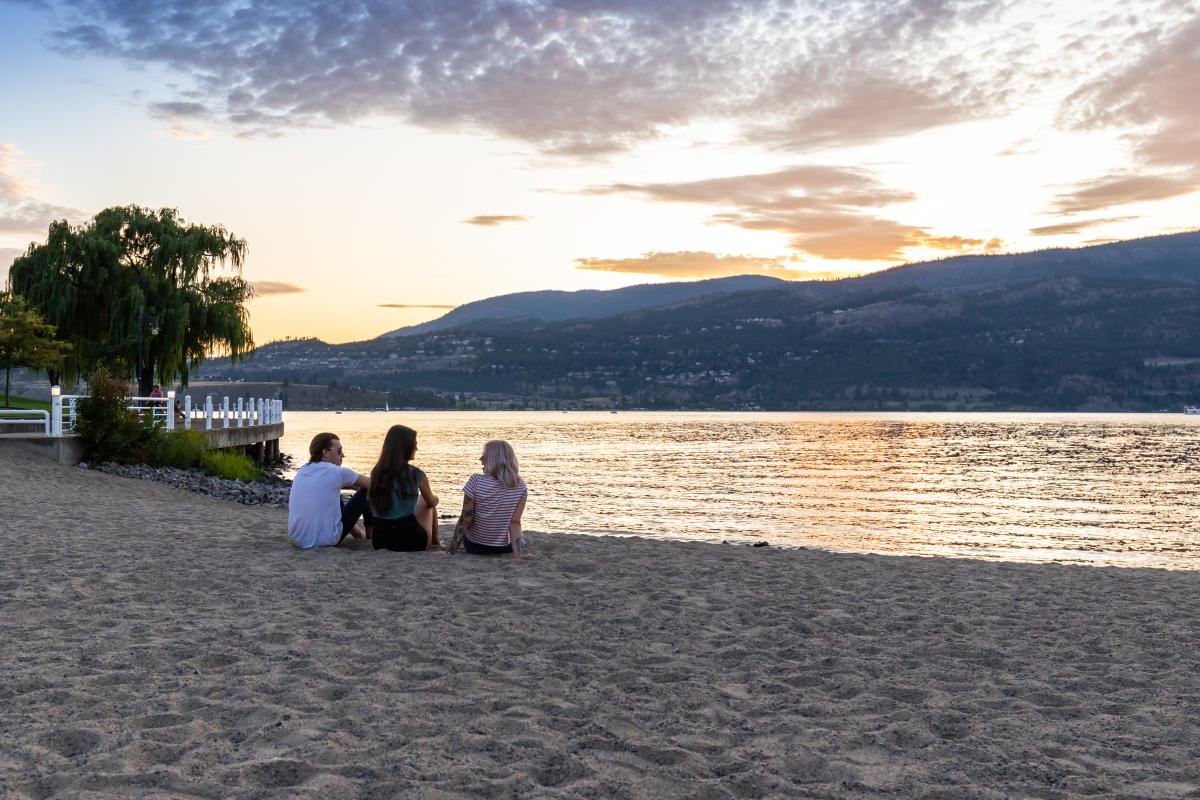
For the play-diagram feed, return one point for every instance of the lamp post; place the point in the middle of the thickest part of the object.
(153, 332)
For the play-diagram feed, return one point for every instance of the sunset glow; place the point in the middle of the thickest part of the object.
(385, 164)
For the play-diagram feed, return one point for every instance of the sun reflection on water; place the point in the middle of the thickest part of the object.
(1094, 489)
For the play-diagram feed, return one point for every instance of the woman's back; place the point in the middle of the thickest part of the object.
(494, 507)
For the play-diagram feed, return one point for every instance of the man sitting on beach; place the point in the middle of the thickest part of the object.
(316, 515)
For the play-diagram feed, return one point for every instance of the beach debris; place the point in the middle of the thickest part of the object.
(761, 544)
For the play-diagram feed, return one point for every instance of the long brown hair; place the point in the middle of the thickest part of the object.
(392, 469)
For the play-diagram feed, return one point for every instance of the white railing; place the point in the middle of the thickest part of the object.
(247, 413)
(26, 416)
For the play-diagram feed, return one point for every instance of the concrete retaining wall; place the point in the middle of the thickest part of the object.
(66, 450)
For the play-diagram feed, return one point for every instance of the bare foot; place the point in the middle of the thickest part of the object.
(358, 532)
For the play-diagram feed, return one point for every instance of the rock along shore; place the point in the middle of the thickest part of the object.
(270, 490)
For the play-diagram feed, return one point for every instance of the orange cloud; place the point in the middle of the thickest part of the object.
(828, 210)
(697, 264)
(879, 240)
(492, 221)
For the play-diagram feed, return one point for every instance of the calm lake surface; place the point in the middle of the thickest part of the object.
(1083, 488)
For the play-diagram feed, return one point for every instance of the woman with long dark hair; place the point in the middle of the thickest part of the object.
(401, 502)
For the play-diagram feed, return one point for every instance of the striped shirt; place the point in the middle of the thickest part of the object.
(494, 507)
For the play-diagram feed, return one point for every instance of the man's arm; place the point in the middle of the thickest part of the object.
(361, 482)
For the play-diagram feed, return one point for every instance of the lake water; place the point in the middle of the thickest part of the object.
(1082, 488)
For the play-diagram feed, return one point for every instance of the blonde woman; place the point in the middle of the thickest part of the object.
(493, 501)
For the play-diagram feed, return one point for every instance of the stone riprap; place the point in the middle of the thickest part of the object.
(270, 490)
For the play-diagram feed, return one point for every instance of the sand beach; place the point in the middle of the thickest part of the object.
(158, 643)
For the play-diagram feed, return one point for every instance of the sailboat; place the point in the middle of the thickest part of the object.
(386, 407)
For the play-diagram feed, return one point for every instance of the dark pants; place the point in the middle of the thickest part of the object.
(354, 508)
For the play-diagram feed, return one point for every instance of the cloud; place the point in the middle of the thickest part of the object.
(492, 221)
(1076, 227)
(21, 211)
(1154, 94)
(187, 120)
(580, 78)
(814, 186)
(829, 211)
(1117, 189)
(869, 109)
(402, 305)
(695, 264)
(181, 110)
(269, 288)
(1150, 97)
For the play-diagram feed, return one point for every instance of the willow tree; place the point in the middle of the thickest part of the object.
(135, 273)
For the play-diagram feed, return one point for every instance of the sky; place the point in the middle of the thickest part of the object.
(388, 161)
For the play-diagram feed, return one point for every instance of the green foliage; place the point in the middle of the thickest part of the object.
(26, 340)
(183, 448)
(231, 465)
(108, 429)
(91, 281)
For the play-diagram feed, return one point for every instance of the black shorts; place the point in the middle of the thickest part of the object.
(485, 549)
(404, 534)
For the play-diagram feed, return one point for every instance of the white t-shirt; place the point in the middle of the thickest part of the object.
(315, 507)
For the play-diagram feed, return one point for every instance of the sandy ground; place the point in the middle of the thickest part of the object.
(162, 644)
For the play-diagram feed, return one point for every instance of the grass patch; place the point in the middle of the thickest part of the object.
(183, 448)
(231, 465)
(25, 402)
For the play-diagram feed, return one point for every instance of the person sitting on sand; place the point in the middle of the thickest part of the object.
(316, 515)
(402, 505)
(490, 522)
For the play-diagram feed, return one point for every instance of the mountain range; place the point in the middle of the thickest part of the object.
(1108, 327)
(550, 306)
(1169, 258)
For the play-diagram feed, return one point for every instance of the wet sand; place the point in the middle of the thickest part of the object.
(158, 643)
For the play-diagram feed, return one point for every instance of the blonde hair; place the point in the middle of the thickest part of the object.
(500, 462)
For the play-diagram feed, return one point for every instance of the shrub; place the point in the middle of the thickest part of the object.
(108, 429)
(183, 448)
(231, 465)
